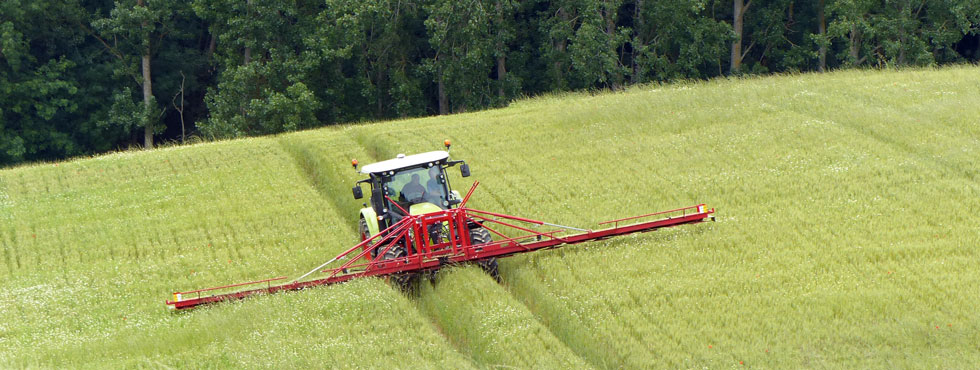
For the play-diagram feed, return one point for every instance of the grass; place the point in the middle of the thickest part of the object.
(490, 326)
(95, 246)
(846, 237)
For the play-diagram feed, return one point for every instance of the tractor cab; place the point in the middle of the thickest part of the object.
(416, 184)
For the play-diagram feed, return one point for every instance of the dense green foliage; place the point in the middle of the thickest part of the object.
(80, 77)
(846, 237)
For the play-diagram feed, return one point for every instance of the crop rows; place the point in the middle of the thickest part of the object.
(96, 246)
(489, 325)
(466, 295)
(846, 237)
(830, 219)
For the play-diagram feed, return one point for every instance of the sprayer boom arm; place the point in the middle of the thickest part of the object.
(514, 235)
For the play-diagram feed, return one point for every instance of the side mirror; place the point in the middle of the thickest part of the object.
(377, 200)
(358, 194)
(464, 170)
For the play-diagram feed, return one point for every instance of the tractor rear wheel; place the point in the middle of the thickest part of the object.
(406, 281)
(478, 236)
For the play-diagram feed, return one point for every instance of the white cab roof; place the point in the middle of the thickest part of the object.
(403, 161)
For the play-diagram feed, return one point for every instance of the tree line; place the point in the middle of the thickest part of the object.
(81, 77)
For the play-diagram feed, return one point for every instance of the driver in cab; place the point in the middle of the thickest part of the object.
(434, 192)
(413, 191)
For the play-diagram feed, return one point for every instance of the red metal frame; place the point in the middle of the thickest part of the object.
(424, 254)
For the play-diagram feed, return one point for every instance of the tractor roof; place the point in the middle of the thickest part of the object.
(403, 161)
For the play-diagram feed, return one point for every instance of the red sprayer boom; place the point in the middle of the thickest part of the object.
(428, 251)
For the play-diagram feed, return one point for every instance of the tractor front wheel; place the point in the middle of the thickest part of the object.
(365, 234)
(479, 236)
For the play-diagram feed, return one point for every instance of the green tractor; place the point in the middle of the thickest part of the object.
(419, 184)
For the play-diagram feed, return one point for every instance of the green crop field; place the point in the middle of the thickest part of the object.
(846, 236)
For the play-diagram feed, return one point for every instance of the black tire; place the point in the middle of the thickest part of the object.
(478, 236)
(396, 251)
(406, 282)
(490, 266)
(365, 234)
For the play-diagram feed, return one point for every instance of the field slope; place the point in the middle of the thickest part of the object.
(846, 237)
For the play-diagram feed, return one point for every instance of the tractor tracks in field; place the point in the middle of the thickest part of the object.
(313, 166)
(321, 168)
(323, 161)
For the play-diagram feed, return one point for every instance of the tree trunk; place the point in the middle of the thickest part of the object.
(501, 67)
(822, 30)
(380, 89)
(147, 102)
(212, 45)
(147, 91)
(560, 46)
(501, 77)
(615, 82)
(901, 49)
(180, 109)
(637, 40)
(443, 100)
(737, 22)
(902, 38)
(855, 44)
(248, 50)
